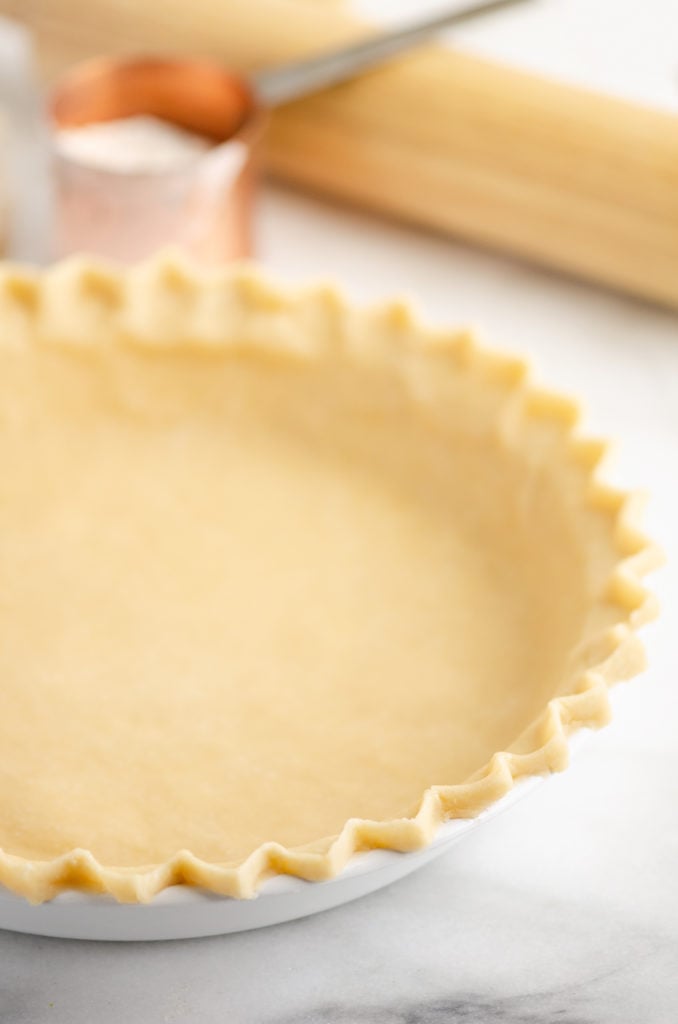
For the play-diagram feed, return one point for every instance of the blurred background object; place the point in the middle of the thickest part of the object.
(157, 150)
(24, 213)
(150, 152)
(574, 179)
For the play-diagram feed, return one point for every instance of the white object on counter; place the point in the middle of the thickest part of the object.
(4, 191)
(25, 213)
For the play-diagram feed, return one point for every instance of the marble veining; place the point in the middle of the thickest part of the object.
(467, 1007)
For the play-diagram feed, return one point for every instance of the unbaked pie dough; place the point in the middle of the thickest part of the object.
(280, 580)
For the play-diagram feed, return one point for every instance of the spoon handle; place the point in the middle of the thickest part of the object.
(291, 81)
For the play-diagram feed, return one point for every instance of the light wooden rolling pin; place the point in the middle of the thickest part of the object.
(572, 179)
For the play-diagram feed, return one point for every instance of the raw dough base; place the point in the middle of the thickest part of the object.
(246, 598)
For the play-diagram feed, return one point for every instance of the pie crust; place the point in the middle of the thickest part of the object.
(281, 581)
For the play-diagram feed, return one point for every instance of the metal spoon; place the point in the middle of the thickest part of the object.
(301, 78)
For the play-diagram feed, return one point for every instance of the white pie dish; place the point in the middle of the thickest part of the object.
(182, 912)
(489, 438)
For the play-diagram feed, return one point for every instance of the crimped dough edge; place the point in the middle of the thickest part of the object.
(157, 305)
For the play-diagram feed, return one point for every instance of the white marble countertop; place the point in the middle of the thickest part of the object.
(565, 909)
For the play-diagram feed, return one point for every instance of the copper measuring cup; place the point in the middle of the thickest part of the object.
(206, 205)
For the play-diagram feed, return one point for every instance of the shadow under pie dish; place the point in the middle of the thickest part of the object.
(282, 581)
